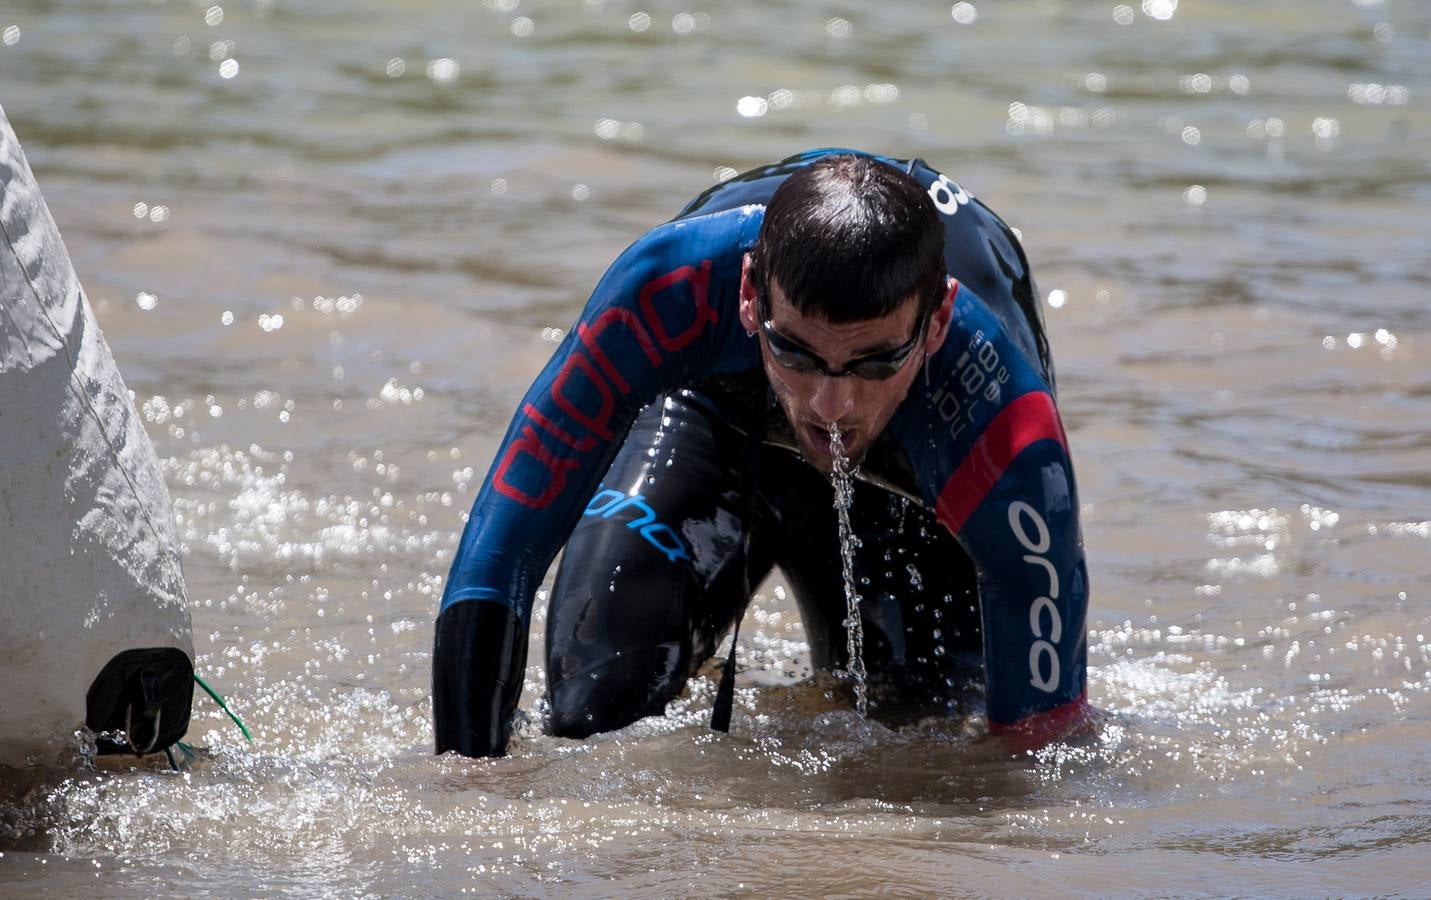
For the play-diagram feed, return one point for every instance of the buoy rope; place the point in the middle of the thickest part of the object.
(223, 706)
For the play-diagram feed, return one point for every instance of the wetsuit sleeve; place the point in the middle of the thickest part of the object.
(663, 315)
(996, 467)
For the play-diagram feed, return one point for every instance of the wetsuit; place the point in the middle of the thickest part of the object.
(968, 520)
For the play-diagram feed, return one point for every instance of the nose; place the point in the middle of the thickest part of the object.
(833, 398)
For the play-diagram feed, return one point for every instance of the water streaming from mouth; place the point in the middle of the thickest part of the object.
(840, 477)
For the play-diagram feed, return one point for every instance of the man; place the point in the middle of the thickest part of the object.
(678, 443)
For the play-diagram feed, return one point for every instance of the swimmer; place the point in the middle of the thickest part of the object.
(679, 445)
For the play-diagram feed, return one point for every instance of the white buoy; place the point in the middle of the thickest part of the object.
(90, 581)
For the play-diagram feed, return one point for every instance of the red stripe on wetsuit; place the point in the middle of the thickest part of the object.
(1027, 420)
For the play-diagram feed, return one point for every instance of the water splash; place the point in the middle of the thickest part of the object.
(840, 477)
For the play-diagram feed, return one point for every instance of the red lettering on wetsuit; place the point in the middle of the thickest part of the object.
(700, 280)
(605, 379)
(591, 335)
(557, 469)
(598, 423)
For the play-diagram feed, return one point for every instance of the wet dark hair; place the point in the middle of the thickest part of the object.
(849, 238)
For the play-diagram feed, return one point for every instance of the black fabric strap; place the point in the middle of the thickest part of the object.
(725, 693)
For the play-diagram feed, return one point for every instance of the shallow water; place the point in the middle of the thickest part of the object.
(1226, 210)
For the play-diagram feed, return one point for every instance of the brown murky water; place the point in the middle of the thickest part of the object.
(358, 228)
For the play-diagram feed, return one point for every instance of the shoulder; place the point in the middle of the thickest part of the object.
(671, 297)
(715, 241)
(979, 377)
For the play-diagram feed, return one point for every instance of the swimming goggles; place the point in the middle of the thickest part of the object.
(873, 367)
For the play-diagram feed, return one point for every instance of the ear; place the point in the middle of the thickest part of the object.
(748, 316)
(940, 319)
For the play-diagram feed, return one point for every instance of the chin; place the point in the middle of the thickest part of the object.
(821, 463)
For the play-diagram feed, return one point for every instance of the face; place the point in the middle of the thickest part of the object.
(815, 401)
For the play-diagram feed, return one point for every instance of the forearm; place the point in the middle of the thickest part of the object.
(479, 658)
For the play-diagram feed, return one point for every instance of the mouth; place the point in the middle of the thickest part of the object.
(817, 437)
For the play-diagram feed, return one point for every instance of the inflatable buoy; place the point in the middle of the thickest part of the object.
(94, 622)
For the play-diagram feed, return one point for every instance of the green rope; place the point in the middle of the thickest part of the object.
(223, 706)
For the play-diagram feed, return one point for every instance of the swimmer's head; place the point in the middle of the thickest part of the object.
(847, 292)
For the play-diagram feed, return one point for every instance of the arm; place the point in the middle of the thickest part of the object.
(999, 475)
(661, 316)
(1015, 504)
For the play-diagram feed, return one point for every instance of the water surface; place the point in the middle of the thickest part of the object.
(360, 228)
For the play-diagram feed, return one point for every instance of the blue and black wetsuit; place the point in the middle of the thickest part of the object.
(651, 447)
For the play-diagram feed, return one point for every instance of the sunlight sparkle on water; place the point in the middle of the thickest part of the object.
(752, 107)
(1161, 10)
(443, 70)
(685, 23)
